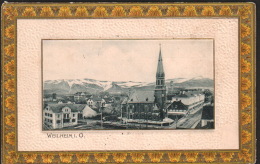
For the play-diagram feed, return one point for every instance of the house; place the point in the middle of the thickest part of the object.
(60, 115)
(90, 102)
(96, 102)
(207, 117)
(177, 107)
(80, 97)
(63, 115)
(185, 102)
(88, 112)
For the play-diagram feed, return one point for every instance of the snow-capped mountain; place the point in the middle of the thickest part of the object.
(71, 86)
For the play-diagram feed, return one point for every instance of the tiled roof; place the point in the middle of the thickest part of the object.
(124, 101)
(141, 96)
(57, 108)
(95, 98)
(188, 98)
(177, 105)
(108, 99)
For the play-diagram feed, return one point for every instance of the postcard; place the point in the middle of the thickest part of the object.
(128, 83)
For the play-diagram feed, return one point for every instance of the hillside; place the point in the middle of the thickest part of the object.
(72, 86)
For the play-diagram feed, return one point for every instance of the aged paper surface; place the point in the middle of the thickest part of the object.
(223, 31)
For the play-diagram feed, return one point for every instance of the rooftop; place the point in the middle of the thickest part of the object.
(141, 96)
(57, 108)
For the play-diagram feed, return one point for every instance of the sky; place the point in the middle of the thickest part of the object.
(126, 60)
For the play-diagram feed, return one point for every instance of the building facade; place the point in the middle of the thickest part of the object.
(207, 118)
(140, 105)
(60, 115)
(57, 116)
(184, 103)
(147, 105)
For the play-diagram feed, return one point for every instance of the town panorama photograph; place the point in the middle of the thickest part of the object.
(133, 84)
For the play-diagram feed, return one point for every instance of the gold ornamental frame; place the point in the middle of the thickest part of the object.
(245, 12)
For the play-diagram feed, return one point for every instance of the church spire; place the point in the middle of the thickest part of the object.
(160, 71)
(160, 88)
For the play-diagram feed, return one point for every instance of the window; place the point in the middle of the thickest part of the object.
(58, 121)
(66, 115)
(73, 120)
(45, 114)
(45, 119)
(50, 115)
(58, 115)
(50, 121)
(73, 115)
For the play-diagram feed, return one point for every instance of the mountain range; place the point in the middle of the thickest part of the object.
(71, 86)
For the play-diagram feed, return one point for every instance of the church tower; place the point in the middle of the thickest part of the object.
(160, 88)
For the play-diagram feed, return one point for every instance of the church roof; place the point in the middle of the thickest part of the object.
(124, 101)
(160, 70)
(141, 96)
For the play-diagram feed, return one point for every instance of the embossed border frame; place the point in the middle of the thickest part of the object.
(245, 12)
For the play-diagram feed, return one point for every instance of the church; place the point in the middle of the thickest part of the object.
(148, 105)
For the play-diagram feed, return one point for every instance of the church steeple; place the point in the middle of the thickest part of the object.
(160, 71)
(160, 81)
(160, 88)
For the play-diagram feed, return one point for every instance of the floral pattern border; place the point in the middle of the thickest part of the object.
(244, 11)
